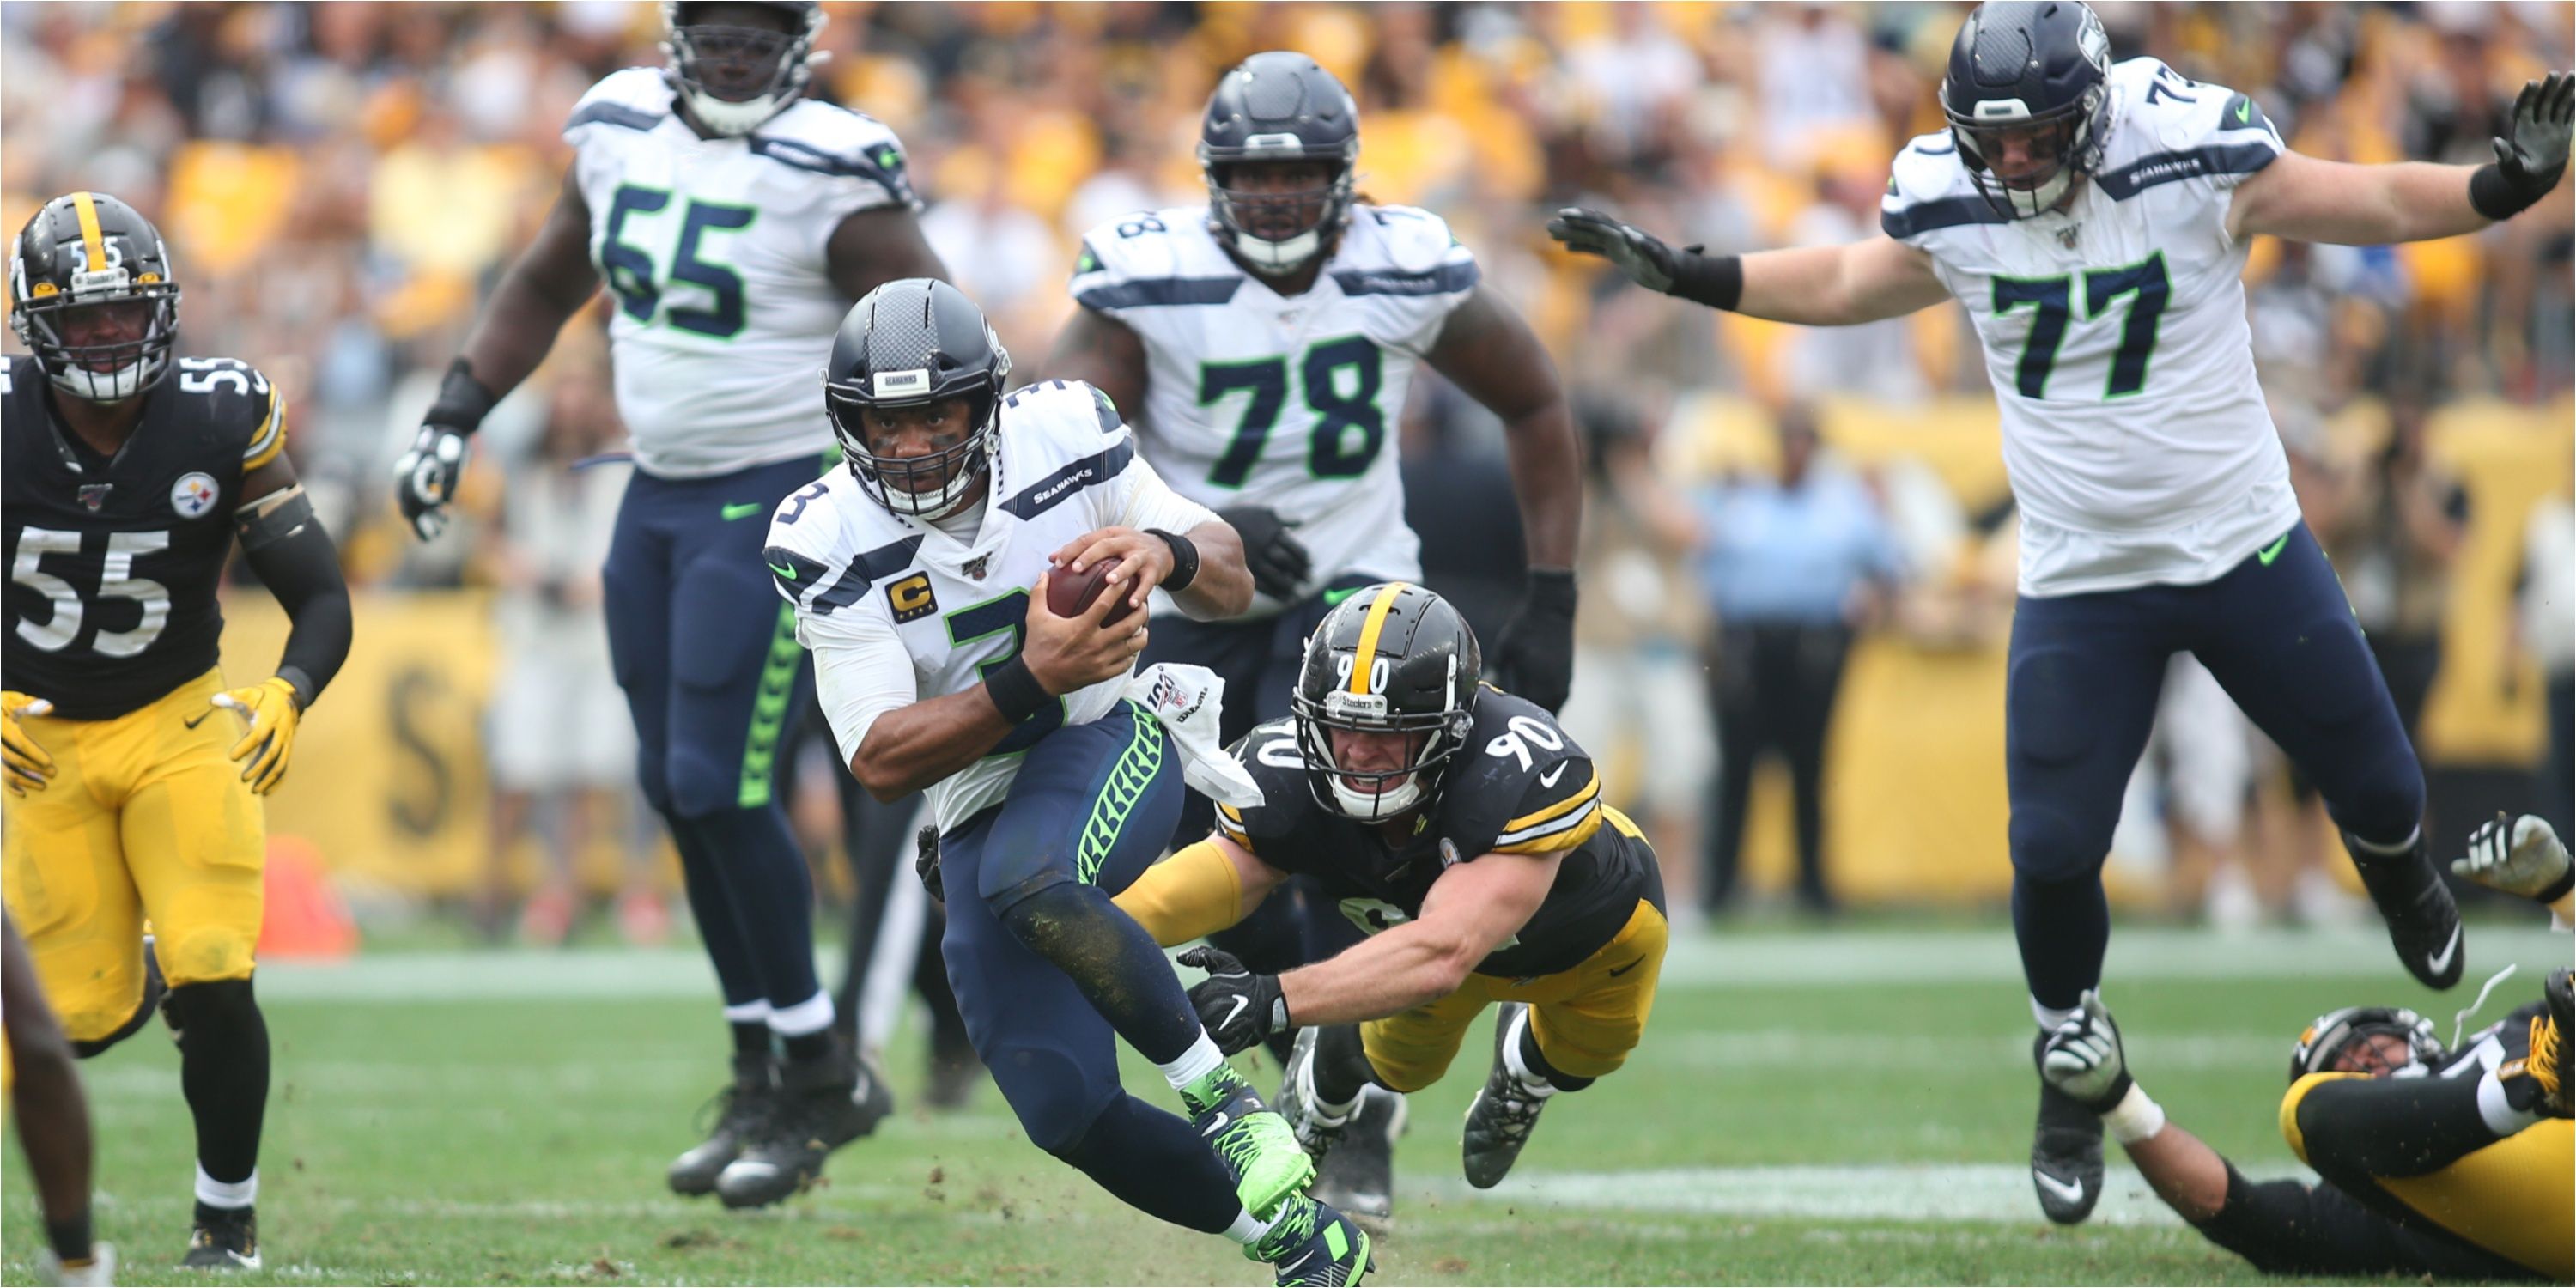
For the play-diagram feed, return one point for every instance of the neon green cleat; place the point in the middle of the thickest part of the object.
(1310, 1243)
(1255, 1143)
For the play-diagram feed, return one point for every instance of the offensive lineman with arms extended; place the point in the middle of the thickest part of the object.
(124, 490)
(1467, 831)
(920, 577)
(1267, 339)
(734, 220)
(2095, 219)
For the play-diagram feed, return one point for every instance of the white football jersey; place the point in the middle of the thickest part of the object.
(2134, 432)
(1291, 402)
(714, 250)
(873, 588)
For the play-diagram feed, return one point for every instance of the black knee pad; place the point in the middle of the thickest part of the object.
(219, 1006)
(2051, 848)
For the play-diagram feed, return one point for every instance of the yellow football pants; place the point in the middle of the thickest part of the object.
(146, 816)
(1586, 1019)
(2515, 1198)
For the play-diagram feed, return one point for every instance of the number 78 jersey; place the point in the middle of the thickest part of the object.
(2134, 430)
(1289, 402)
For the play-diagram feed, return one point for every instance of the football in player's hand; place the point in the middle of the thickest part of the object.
(1070, 592)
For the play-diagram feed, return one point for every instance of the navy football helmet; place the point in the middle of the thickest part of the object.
(1279, 106)
(734, 78)
(2028, 98)
(909, 343)
(92, 294)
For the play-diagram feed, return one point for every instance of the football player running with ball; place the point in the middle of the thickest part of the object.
(134, 770)
(1462, 826)
(1264, 342)
(2094, 218)
(920, 576)
(734, 220)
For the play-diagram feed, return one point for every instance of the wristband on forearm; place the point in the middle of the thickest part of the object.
(1185, 560)
(2557, 890)
(2499, 194)
(463, 402)
(1015, 690)
(1714, 280)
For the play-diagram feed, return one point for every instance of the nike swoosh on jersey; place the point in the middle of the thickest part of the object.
(2070, 1191)
(1549, 778)
(787, 574)
(1333, 598)
(2441, 961)
(2273, 551)
(742, 510)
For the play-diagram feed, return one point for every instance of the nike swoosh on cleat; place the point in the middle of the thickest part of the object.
(2441, 961)
(1291, 1267)
(1222, 1118)
(741, 510)
(2070, 1191)
(2273, 551)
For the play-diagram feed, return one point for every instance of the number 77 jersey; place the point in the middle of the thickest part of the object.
(2134, 430)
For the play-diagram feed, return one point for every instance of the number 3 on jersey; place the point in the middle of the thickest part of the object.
(1340, 380)
(1007, 613)
(632, 272)
(2147, 288)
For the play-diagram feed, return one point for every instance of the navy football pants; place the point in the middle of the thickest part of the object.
(2086, 672)
(707, 654)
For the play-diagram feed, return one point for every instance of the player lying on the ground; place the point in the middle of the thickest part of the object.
(921, 573)
(135, 772)
(2460, 1164)
(53, 1119)
(1460, 827)
(2094, 219)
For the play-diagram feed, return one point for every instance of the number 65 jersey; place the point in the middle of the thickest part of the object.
(2134, 431)
(114, 564)
(1517, 786)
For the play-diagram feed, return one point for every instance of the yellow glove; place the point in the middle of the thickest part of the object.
(269, 711)
(27, 764)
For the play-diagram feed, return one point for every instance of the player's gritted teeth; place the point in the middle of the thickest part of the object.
(1364, 753)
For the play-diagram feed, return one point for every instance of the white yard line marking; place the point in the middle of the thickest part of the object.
(1898, 1192)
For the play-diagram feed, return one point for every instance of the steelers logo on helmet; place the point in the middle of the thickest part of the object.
(2028, 100)
(93, 296)
(913, 389)
(1384, 700)
(1279, 147)
(737, 63)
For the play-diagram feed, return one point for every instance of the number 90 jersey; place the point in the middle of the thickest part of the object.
(715, 252)
(1290, 402)
(2134, 431)
(113, 565)
(897, 611)
(1518, 786)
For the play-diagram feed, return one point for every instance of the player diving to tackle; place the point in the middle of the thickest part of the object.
(1467, 831)
(2457, 1164)
(127, 476)
(2094, 218)
(1264, 342)
(919, 576)
(734, 220)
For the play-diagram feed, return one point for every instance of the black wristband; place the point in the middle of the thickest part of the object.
(1714, 280)
(1552, 588)
(305, 689)
(1015, 691)
(2558, 889)
(1185, 560)
(463, 402)
(2498, 194)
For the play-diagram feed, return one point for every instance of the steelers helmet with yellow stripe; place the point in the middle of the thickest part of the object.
(1391, 659)
(92, 294)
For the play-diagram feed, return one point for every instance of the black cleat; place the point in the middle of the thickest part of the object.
(1358, 1176)
(2423, 920)
(224, 1239)
(2065, 1153)
(1500, 1118)
(740, 1109)
(821, 1105)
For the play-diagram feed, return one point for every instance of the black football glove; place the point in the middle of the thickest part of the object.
(2533, 151)
(1237, 1007)
(925, 862)
(1640, 254)
(425, 477)
(1534, 656)
(2084, 1057)
(1278, 561)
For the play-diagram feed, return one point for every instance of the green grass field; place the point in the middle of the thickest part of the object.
(1848, 1107)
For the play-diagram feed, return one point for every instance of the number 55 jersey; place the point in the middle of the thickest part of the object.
(2114, 329)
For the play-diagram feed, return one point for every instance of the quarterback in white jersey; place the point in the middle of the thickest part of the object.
(2094, 218)
(733, 219)
(919, 574)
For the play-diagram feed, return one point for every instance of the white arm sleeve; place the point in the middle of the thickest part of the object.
(861, 672)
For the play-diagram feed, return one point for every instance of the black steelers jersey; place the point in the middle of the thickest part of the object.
(1518, 786)
(113, 564)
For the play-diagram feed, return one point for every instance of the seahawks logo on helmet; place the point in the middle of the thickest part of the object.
(2028, 100)
(1279, 108)
(93, 295)
(911, 343)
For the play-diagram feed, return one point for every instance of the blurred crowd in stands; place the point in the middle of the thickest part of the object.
(342, 180)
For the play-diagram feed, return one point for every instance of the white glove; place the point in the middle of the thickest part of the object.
(2522, 857)
(2084, 1058)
